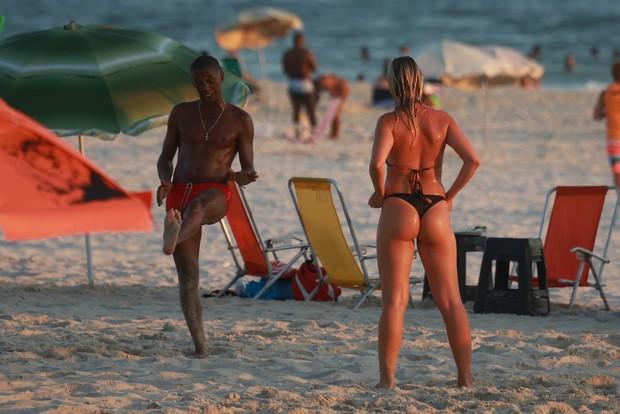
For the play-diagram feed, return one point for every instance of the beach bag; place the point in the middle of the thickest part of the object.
(307, 279)
(281, 290)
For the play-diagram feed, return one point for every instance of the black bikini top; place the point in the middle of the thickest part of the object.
(414, 177)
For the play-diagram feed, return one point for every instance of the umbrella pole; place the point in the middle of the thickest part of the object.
(89, 256)
(485, 110)
(262, 63)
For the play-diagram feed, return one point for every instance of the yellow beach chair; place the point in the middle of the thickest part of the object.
(345, 265)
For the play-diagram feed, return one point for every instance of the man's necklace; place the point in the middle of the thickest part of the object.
(207, 132)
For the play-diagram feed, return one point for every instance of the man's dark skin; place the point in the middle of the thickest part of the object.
(299, 63)
(199, 161)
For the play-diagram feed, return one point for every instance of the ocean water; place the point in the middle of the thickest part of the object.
(336, 29)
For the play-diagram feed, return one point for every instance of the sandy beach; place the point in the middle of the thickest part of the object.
(122, 346)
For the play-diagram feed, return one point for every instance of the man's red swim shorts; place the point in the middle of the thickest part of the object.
(182, 194)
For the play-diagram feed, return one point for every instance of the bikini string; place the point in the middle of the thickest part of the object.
(416, 184)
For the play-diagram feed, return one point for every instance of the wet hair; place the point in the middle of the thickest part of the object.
(615, 71)
(205, 61)
(406, 86)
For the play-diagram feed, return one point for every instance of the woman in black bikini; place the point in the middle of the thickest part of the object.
(411, 141)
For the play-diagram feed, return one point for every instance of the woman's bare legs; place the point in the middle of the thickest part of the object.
(437, 248)
(398, 226)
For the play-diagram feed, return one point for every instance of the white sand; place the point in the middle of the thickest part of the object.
(120, 347)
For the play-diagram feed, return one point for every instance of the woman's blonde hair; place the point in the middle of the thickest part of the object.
(406, 83)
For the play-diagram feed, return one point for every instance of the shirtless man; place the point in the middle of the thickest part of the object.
(299, 64)
(608, 106)
(337, 88)
(207, 133)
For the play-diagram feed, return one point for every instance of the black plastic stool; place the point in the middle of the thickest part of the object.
(466, 241)
(494, 294)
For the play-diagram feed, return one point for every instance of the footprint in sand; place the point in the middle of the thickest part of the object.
(557, 341)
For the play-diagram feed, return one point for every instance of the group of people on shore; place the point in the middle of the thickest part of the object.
(304, 87)
(299, 65)
(405, 170)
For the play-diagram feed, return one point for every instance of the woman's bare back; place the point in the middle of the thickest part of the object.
(417, 150)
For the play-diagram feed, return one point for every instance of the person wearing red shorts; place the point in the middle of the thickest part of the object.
(207, 134)
(608, 107)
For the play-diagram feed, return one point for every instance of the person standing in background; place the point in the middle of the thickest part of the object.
(298, 64)
(608, 106)
(570, 63)
(534, 52)
(364, 54)
(404, 49)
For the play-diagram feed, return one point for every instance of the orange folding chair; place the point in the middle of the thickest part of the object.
(239, 226)
(571, 235)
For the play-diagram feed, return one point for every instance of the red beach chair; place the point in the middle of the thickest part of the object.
(239, 226)
(571, 236)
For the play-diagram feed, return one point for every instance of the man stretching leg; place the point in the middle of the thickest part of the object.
(207, 134)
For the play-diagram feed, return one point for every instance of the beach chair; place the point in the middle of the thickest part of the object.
(345, 266)
(571, 235)
(244, 240)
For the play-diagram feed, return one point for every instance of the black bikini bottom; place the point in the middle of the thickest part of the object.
(421, 202)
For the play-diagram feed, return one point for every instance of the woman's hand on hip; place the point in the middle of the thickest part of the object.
(376, 200)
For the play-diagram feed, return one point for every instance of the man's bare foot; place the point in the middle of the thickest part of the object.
(172, 225)
(464, 381)
(386, 385)
(196, 354)
(200, 354)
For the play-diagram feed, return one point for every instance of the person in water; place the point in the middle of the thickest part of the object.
(410, 142)
(208, 134)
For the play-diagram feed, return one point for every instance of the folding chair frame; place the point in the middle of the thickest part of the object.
(270, 246)
(584, 255)
(358, 249)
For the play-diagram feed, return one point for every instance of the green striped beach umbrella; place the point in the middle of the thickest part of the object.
(100, 80)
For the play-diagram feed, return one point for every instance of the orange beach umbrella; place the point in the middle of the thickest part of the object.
(256, 28)
(48, 189)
